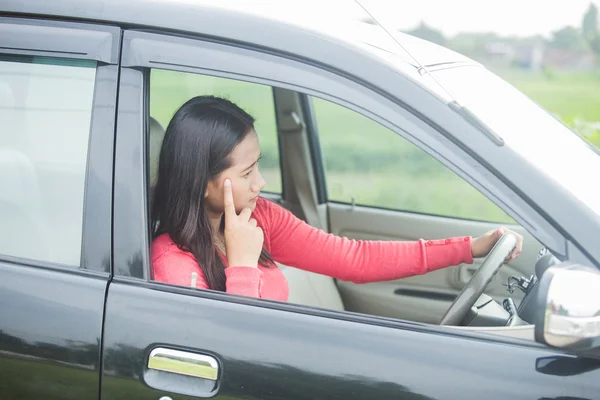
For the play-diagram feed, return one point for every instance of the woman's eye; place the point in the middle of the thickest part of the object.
(247, 174)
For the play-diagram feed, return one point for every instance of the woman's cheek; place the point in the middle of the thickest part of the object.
(238, 196)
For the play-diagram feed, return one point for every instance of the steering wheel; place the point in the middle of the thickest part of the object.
(480, 279)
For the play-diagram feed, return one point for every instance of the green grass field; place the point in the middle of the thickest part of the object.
(368, 162)
(572, 96)
(36, 380)
(25, 379)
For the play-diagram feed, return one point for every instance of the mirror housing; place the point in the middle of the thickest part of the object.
(568, 312)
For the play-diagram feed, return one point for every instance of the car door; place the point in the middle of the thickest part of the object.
(165, 341)
(58, 83)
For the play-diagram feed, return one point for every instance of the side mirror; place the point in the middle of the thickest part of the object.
(568, 315)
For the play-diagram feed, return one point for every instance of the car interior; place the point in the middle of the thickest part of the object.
(43, 205)
(423, 298)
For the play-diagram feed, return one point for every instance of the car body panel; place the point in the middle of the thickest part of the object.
(50, 331)
(288, 352)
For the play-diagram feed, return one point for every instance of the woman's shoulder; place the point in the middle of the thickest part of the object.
(265, 206)
(172, 265)
(164, 247)
(267, 211)
(162, 243)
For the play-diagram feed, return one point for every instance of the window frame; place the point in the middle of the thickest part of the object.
(244, 62)
(79, 41)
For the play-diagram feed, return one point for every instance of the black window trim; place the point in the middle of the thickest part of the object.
(84, 42)
(131, 239)
(312, 127)
(96, 250)
(60, 39)
(277, 197)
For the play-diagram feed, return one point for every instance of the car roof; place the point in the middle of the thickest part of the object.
(283, 28)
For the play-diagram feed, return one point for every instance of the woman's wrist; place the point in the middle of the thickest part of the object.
(243, 263)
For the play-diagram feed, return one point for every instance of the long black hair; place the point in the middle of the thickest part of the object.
(196, 148)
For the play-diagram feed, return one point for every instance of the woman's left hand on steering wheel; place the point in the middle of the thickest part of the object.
(481, 246)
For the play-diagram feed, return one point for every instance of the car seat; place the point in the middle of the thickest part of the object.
(23, 231)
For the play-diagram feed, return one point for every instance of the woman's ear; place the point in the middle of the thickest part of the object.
(212, 188)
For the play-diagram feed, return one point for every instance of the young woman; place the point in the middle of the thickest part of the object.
(209, 219)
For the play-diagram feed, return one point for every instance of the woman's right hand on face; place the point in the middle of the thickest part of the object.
(243, 238)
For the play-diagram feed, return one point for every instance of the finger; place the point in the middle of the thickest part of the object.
(514, 254)
(245, 214)
(261, 233)
(509, 257)
(520, 244)
(228, 200)
(252, 222)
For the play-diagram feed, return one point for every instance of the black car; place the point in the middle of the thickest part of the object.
(364, 134)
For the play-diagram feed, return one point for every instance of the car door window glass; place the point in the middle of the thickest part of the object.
(373, 166)
(45, 113)
(170, 89)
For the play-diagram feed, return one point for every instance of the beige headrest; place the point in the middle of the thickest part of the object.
(157, 134)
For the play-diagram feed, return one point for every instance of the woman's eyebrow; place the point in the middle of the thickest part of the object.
(254, 163)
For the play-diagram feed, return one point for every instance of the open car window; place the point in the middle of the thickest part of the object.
(368, 164)
(170, 89)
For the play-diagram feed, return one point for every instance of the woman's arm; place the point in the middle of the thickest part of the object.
(295, 243)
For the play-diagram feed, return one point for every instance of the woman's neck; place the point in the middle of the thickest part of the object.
(215, 223)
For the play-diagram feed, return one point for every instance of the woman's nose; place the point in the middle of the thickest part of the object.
(259, 184)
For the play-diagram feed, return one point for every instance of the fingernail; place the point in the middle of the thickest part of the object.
(227, 182)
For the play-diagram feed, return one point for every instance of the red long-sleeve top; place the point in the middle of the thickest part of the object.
(292, 242)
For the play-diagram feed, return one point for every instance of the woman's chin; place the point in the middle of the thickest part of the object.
(252, 204)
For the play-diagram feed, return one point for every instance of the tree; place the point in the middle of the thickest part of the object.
(590, 29)
(425, 32)
(568, 38)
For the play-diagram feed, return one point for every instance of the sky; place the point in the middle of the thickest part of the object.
(504, 17)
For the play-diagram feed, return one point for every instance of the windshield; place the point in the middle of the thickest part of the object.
(528, 129)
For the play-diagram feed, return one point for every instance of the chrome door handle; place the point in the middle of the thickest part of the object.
(184, 363)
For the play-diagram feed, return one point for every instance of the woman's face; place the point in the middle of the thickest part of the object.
(246, 180)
